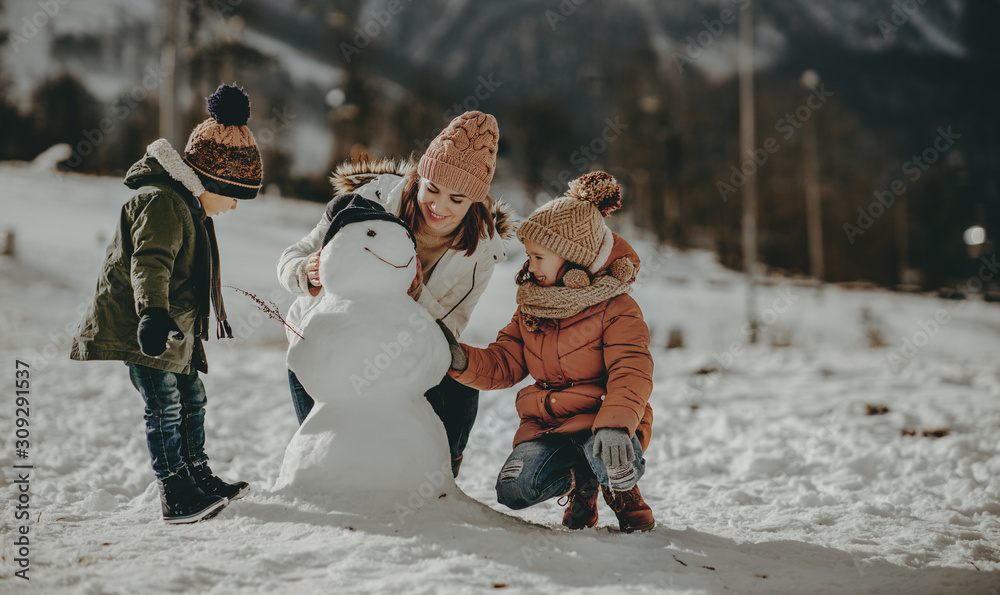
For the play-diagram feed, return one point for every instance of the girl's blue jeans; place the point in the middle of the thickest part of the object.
(540, 469)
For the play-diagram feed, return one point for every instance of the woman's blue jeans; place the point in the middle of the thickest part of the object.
(175, 418)
(540, 469)
(456, 405)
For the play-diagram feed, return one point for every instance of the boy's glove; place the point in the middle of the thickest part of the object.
(614, 447)
(155, 328)
(458, 360)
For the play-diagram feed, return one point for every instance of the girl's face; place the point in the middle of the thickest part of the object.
(215, 204)
(547, 266)
(441, 208)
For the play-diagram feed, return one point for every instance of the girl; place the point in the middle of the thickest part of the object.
(586, 421)
(460, 237)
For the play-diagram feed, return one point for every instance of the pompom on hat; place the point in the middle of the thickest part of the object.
(573, 226)
(463, 156)
(222, 150)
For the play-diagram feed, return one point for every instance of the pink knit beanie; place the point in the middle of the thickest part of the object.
(464, 156)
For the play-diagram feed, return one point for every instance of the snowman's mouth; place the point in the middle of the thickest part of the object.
(395, 266)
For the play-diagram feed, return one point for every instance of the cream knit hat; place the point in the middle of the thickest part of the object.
(573, 226)
(464, 156)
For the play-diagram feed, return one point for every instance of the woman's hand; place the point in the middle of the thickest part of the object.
(312, 271)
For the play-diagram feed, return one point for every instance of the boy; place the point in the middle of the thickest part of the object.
(151, 307)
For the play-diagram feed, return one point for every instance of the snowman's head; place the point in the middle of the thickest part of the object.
(375, 256)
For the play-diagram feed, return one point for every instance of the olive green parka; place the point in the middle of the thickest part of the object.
(149, 264)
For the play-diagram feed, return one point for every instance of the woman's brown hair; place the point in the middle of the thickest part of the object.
(477, 224)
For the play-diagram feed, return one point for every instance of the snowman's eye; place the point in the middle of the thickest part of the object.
(371, 233)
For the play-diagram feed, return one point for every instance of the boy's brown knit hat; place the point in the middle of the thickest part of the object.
(464, 155)
(573, 226)
(222, 150)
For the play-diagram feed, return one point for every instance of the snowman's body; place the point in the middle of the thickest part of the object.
(368, 355)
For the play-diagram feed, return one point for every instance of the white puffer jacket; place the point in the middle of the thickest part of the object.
(457, 281)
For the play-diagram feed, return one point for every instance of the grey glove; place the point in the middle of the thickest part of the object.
(458, 360)
(614, 447)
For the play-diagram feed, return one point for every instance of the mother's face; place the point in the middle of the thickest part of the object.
(441, 208)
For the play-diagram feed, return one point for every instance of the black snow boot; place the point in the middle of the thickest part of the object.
(212, 485)
(184, 502)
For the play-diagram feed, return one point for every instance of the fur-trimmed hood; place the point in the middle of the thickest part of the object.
(160, 153)
(387, 175)
(351, 175)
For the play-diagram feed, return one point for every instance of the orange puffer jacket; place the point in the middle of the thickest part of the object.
(592, 370)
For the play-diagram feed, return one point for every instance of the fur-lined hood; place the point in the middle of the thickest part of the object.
(161, 158)
(388, 173)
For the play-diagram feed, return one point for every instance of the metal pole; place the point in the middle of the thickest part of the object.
(168, 63)
(745, 63)
(903, 240)
(814, 214)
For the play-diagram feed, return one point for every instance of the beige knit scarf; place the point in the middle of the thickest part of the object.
(578, 293)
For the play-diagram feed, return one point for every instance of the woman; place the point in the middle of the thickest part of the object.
(459, 234)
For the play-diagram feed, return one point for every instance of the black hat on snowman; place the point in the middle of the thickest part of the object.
(354, 208)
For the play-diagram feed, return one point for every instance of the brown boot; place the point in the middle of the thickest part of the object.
(581, 509)
(633, 514)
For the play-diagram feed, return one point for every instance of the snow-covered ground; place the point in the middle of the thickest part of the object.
(764, 471)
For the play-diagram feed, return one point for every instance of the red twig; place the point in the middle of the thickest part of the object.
(269, 308)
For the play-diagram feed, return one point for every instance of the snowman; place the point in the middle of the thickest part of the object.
(367, 354)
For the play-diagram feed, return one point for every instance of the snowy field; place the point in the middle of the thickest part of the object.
(765, 472)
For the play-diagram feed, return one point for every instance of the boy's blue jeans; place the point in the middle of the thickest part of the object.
(175, 418)
(540, 469)
(456, 405)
